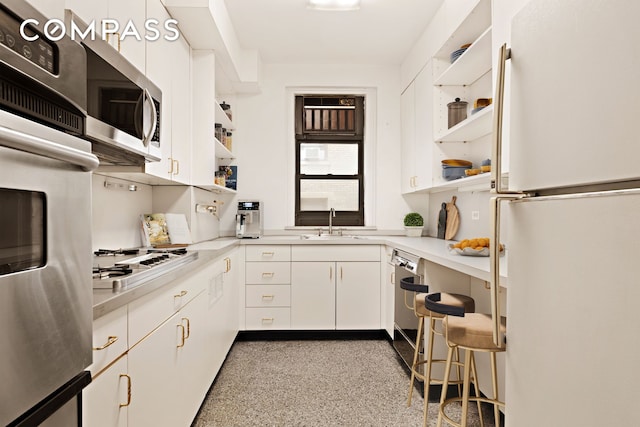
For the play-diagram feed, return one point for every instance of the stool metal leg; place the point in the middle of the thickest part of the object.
(465, 388)
(445, 385)
(474, 374)
(494, 380)
(415, 358)
(427, 378)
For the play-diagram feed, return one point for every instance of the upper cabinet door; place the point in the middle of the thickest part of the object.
(575, 92)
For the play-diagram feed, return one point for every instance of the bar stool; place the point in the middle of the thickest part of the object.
(465, 302)
(472, 332)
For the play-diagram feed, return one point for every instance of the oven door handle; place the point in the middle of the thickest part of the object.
(42, 147)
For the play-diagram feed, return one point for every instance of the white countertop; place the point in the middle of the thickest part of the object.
(428, 248)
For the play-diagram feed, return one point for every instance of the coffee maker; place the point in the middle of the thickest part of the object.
(248, 219)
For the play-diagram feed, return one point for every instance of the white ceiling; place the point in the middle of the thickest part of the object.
(285, 31)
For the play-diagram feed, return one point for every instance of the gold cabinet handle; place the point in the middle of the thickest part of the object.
(177, 168)
(268, 297)
(227, 262)
(128, 390)
(188, 327)
(182, 336)
(269, 275)
(269, 254)
(110, 341)
(340, 273)
(267, 319)
(330, 273)
(170, 166)
(180, 295)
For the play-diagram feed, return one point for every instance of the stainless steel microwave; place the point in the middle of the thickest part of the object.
(123, 105)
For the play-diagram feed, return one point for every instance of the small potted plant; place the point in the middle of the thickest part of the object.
(413, 224)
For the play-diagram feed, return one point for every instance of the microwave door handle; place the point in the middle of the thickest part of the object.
(138, 113)
(154, 118)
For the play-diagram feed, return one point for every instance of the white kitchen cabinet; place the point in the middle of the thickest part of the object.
(203, 102)
(128, 14)
(221, 321)
(335, 287)
(267, 287)
(105, 399)
(408, 138)
(387, 290)
(313, 295)
(417, 132)
(170, 345)
(172, 352)
(102, 399)
(153, 369)
(358, 295)
(174, 79)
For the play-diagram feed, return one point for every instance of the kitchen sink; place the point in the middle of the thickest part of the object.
(328, 237)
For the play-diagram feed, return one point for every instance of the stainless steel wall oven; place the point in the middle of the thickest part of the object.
(45, 226)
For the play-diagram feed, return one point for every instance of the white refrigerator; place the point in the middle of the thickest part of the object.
(572, 211)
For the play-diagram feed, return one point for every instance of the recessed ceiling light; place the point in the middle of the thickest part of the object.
(334, 4)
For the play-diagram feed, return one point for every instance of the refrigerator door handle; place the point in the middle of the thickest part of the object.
(494, 265)
(496, 146)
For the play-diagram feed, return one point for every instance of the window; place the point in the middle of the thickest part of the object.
(329, 147)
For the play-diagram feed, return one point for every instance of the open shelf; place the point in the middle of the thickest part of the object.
(214, 188)
(473, 127)
(222, 118)
(221, 151)
(472, 64)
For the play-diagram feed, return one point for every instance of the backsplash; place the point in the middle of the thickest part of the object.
(467, 203)
(116, 211)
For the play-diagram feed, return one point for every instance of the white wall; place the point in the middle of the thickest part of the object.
(116, 213)
(263, 140)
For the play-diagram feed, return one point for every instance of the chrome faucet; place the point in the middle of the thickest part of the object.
(332, 214)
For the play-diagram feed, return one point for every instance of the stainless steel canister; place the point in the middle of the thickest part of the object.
(457, 112)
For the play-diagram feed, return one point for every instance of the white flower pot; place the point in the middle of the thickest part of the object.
(413, 231)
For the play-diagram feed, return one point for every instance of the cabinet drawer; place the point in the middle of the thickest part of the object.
(268, 295)
(109, 339)
(268, 273)
(268, 253)
(335, 253)
(149, 311)
(268, 318)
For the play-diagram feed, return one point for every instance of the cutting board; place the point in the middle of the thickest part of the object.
(453, 219)
(442, 221)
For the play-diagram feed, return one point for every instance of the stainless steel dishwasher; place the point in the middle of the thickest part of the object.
(405, 322)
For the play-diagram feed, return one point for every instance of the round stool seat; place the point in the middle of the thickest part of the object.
(474, 330)
(455, 300)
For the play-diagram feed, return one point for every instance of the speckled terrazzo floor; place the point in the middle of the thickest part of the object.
(313, 383)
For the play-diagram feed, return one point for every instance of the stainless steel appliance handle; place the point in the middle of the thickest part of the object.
(42, 147)
(494, 262)
(498, 113)
(154, 115)
(501, 194)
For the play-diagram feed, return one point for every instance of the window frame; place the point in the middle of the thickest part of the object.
(321, 217)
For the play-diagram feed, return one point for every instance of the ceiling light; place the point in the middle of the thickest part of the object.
(334, 4)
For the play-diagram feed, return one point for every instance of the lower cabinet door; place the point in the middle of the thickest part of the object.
(105, 401)
(313, 295)
(154, 377)
(358, 295)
